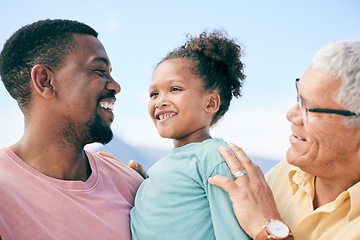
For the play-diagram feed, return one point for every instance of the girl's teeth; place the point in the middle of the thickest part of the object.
(164, 117)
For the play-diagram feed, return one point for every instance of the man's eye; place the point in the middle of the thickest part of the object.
(100, 72)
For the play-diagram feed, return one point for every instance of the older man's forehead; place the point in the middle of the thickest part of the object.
(317, 85)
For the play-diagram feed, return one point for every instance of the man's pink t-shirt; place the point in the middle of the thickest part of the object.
(35, 206)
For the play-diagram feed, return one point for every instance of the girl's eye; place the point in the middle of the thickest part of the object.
(173, 89)
(153, 94)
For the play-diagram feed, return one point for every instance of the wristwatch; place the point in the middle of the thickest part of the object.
(274, 229)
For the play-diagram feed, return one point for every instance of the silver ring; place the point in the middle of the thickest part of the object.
(240, 173)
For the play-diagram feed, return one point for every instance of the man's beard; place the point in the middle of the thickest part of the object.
(80, 134)
(99, 131)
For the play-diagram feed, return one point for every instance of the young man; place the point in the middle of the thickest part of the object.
(51, 188)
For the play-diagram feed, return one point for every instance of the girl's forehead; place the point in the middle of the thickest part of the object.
(178, 68)
(180, 62)
(172, 73)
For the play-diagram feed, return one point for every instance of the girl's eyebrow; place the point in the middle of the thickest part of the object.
(170, 80)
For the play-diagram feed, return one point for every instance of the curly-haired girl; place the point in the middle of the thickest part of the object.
(191, 90)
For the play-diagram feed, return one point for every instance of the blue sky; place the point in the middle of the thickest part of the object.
(279, 39)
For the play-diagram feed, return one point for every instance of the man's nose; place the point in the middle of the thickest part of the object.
(294, 115)
(112, 85)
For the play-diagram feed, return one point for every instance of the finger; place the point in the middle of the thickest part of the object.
(133, 164)
(137, 167)
(233, 163)
(251, 168)
(243, 159)
(224, 182)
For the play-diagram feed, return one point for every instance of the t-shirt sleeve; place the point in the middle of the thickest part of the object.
(223, 217)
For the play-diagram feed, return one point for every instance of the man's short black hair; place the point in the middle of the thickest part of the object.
(45, 42)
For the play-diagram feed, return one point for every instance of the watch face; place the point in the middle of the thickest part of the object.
(278, 228)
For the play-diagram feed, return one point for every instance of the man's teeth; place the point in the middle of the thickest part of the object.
(299, 138)
(107, 105)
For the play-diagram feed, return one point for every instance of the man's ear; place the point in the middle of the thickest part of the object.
(213, 103)
(42, 79)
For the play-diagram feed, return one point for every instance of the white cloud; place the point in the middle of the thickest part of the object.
(260, 132)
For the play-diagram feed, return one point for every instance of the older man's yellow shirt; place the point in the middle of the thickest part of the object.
(293, 192)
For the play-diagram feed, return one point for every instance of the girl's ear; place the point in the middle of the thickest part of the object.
(42, 79)
(213, 103)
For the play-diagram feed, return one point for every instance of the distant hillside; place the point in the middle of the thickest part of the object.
(126, 152)
(148, 156)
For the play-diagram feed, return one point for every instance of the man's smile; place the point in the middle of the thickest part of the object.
(107, 105)
(299, 138)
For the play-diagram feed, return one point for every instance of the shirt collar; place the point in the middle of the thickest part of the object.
(354, 193)
(304, 181)
(300, 180)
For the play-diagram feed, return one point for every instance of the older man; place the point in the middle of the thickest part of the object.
(50, 187)
(317, 191)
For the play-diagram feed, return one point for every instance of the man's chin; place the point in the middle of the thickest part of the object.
(295, 156)
(106, 141)
(100, 132)
(104, 138)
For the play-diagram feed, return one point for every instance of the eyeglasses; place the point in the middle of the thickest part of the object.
(305, 110)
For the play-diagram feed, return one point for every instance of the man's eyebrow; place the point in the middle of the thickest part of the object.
(101, 60)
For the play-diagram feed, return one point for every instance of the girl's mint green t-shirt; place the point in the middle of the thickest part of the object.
(177, 202)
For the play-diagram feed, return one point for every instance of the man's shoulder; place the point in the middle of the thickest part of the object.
(109, 164)
(7, 160)
(5, 152)
(280, 172)
(108, 158)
